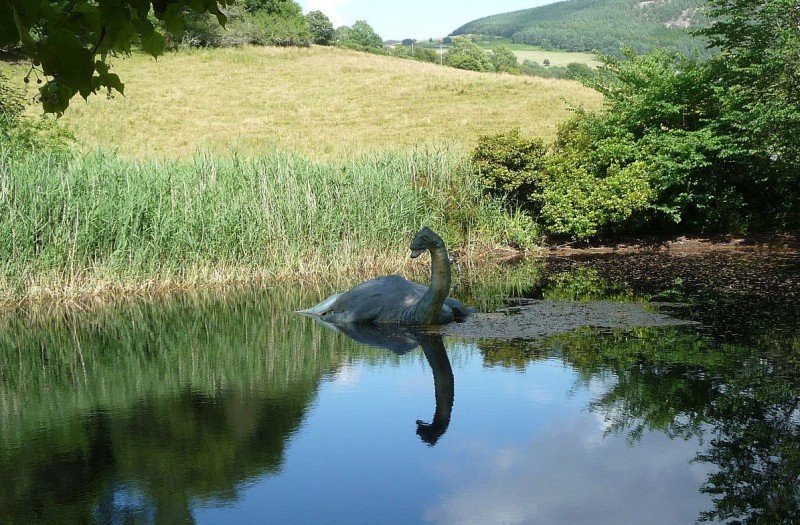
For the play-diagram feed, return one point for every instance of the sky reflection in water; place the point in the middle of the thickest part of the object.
(521, 448)
(233, 410)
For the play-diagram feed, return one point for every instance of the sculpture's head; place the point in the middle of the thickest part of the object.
(425, 239)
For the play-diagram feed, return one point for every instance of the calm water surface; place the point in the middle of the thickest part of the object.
(230, 409)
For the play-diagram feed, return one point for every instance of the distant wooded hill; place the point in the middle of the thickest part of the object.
(603, 25)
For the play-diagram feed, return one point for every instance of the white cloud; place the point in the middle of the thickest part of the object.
(347, 376)
(329, 7)
(563, 478)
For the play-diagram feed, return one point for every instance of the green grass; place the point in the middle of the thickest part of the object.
(537, 54)
(324, 103)
(86, 225)
(239, 164)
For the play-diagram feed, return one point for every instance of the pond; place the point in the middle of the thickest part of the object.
(229, 408)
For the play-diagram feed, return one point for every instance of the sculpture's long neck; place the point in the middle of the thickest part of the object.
(427, 309)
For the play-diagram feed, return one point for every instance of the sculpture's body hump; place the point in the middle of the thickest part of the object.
(393, 299)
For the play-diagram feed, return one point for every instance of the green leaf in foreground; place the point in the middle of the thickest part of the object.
(66, 40)
(8, 29)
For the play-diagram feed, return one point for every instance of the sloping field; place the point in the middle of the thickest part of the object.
(537, 54)
(320, 102)
(556, 58)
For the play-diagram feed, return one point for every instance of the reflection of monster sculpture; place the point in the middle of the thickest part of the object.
(444, 386)
(400, 340)
(392, 299)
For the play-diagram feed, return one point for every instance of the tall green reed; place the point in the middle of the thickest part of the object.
(68, 223)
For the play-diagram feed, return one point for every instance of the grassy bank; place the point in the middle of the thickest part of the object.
(321, 102)
(538, 54)
(95, 224)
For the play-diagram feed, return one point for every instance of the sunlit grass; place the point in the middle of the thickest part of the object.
(389, 138)
(78, 226)
(537, 54)
(320, 102)
(556, 58)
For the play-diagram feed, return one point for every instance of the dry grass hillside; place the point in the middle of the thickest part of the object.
(321, 102)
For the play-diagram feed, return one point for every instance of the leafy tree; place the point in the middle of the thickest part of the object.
(274, 27)
(408, 41)
(579, 71)
(509, 165)
(360, 37)
(758, 77)
(69, 41)
(20, 133)
(202, 29)
(321, 28)
(341, 35)
(504, 60)
(283, 8)
(420, 53)
(466, 54)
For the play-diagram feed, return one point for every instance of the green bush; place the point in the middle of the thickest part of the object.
(510, 166)
(423, 54)
(504, 60)
(321, 28)
(267, 23)
(360, 37)
(572, 71)
(19, 133)
(562, 186)
(267, 29)
(202, 29)
(466, 54)
(576, 203)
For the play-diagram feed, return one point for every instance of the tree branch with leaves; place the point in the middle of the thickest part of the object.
(69, 42)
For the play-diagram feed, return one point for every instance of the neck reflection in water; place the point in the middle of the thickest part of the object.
(401, 340)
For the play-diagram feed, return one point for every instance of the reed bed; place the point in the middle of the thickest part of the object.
(73, 226)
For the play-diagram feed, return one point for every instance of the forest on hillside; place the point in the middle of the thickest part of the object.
(601, 25)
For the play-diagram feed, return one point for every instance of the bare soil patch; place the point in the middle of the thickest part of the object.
(683, 244)
(533, 319)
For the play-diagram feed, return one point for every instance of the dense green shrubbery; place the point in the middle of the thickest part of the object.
(19, 133)
(577, 203)
(504, 60)
(359, 37)
(423, 54)
(322, 31)
(259, 22)
(572, 71)
(557, 185)
(466, 54)
(682, 144)
(510, 166)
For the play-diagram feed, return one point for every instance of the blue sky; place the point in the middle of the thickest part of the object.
(397, 19)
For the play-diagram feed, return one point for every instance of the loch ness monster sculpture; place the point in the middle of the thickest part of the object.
(393, 299)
